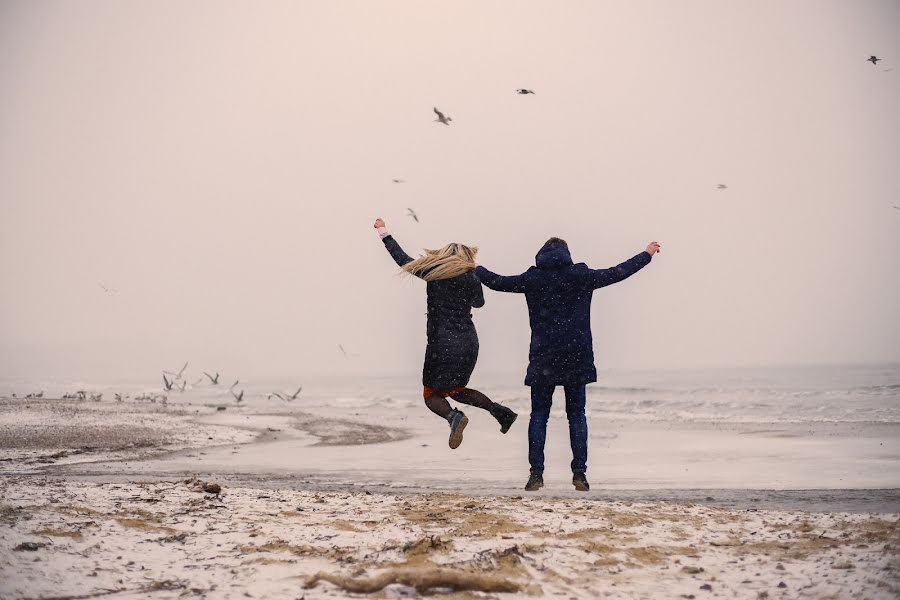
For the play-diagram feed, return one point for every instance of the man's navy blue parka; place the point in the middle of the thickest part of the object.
(559, 295)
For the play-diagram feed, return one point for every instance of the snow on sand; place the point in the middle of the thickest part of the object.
(62, 538)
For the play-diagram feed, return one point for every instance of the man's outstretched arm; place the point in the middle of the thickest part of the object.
(501, 283)
(603, 277)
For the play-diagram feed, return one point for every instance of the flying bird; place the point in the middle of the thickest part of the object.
(398, 180)
(887, 70)
(237, 381)
(288, 398)
(721, 186)
(873, 59)
(107, 290)
(238, 397)
(214, 380)
(441, 118)
(411, 213)
(523, 91)
(346, 354)
(179, 374)
(897, 207)
(169, 384)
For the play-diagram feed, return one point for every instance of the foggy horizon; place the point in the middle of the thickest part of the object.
(220, 167)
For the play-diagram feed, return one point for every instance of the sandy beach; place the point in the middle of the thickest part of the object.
(107, 499)
(74, 539)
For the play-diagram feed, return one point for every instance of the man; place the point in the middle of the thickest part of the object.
(559, 294)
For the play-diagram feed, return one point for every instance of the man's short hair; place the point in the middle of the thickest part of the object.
(556, 240)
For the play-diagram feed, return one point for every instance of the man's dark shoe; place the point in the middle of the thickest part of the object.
(535, 482)
(580, 482)
(458, 422)
(505, 416)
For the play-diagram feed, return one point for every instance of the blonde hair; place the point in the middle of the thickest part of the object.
(450, 261)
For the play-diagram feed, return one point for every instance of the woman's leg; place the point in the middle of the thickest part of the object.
(504, 416)
(473, 398)
(438, 405)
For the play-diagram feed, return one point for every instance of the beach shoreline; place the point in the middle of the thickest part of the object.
(325, 502)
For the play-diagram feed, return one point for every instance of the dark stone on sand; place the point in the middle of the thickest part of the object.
(782, 584)
(779, 567)
(691, 570)
(29, 546)
(706, 587)
(212, 488)
(221, 407)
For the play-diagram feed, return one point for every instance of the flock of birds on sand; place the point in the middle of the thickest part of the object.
(172, 382)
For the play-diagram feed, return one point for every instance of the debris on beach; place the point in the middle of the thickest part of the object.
(198, 485)
(422, 580)
(29, 546)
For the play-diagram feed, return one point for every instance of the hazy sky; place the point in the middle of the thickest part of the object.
(220, 165)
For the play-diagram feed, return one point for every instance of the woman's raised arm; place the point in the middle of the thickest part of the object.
(400, 257)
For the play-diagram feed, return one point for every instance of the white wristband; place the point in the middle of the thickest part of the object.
(382, 232)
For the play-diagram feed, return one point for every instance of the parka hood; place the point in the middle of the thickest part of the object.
(552, 255)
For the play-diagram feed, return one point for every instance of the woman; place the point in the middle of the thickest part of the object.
(452, 347)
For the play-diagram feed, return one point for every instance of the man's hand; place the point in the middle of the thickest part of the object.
(378, 223)
(653, 248)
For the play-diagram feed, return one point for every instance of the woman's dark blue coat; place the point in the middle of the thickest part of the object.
(452, 349)
(559, 295)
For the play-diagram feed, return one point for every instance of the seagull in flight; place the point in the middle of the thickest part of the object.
(345, 353)
(179, 374)
(398, 180)
(238, 397)
(897, 207)
(287, 397)
(169, 384)
(523, 91)
(441, 118)
(234, 384)
(108, 290)
(411, 213)
(214, 380)
(873, 59)
(721, 186)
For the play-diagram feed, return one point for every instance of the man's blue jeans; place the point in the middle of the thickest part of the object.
(541, 400)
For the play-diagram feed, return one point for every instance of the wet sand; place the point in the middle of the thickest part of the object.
(94, 501)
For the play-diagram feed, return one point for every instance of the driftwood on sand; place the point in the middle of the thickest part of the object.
(422, 579)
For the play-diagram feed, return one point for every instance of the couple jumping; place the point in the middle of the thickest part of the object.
(558, 294)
